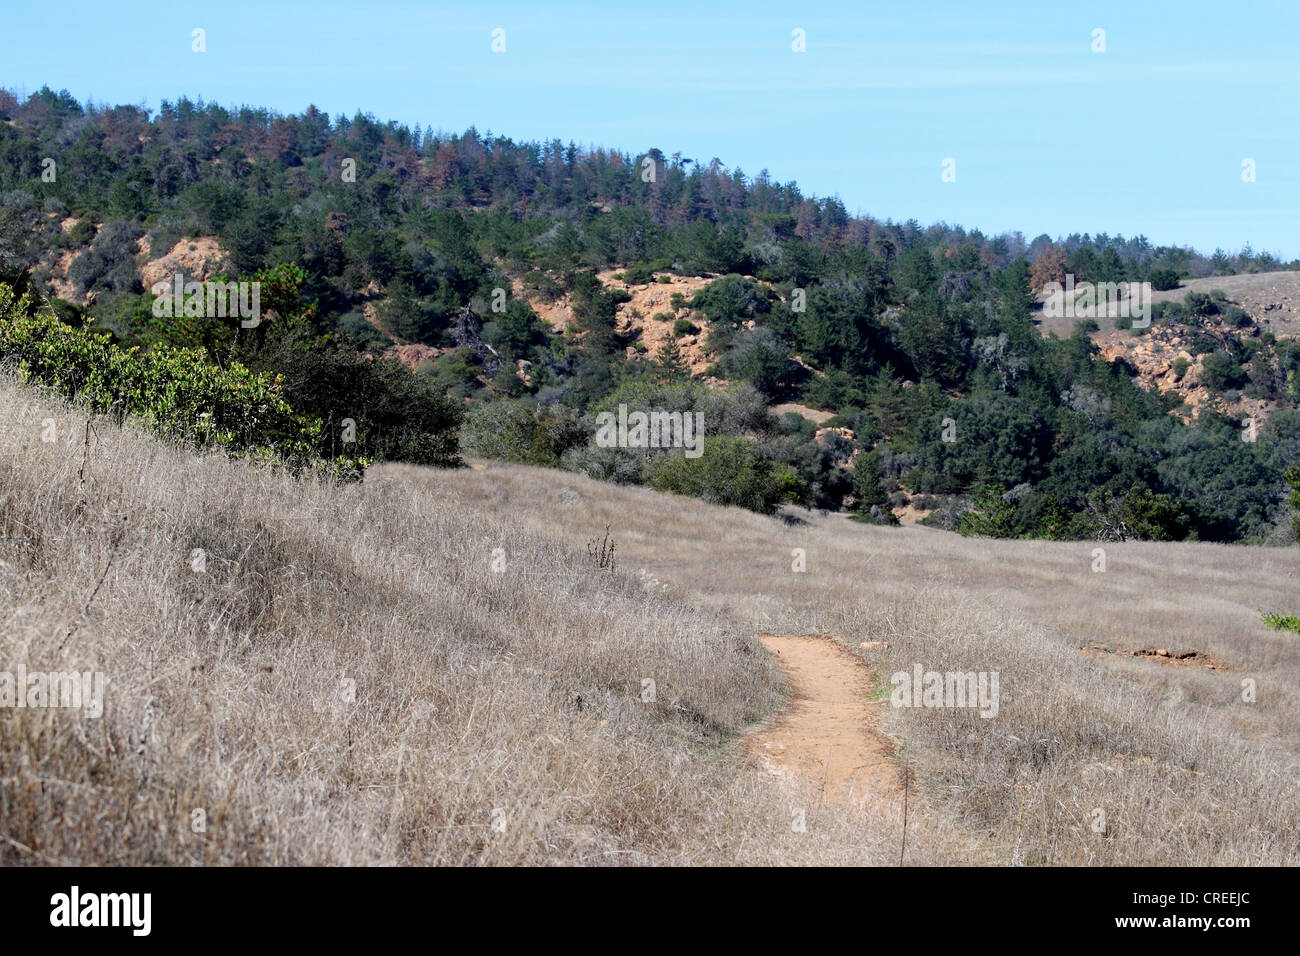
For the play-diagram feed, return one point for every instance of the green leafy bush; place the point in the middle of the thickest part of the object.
(991, 515)
(1138, 514)
(453, 373)
(1219, 371)
(728, 472)
(394, 415)
(512, 431)
(176, 391)
(1200, 303)
(1283, 622)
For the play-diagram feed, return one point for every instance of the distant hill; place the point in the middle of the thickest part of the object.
(539, 284)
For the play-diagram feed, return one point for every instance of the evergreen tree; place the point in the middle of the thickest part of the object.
(670, 361)
(869, 490)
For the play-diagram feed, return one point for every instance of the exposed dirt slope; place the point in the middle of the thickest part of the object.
(638, 317)
(196, 259)
(1271, 299)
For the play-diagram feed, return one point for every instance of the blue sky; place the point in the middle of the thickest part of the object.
(1048, 136)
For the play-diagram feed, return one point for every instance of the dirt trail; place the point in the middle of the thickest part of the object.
(829, 734)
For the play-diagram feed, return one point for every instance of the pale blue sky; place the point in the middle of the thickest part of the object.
(1148, 137)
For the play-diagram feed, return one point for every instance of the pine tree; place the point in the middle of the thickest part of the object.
(990, 516)
(670, 361)
(872, 499)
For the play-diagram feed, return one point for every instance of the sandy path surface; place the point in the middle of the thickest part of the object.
(829, 732)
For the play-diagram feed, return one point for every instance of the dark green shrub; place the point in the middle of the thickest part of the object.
(990, 516)
(638, 273)
(1220, 371)
(512, 431)
(83, 232)
(728, 472)
(1162, 280)
(1139, 514)
(394, 414)
(758, 357)
(1198, 303)
(109, 264)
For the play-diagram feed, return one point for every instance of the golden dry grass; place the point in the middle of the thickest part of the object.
(1183, 768)
(495, 718)
(513, 697)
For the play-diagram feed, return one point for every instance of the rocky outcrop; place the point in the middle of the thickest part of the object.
(1162, 359)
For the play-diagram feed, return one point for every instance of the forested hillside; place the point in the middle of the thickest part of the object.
(908, 361)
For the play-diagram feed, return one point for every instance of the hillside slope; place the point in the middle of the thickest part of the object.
(488, 268)
(1272, 299)
(338, 675)
(1166, 358)
(427, 668)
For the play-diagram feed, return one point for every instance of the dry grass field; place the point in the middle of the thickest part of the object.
(1271, 298)
(429, 668)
